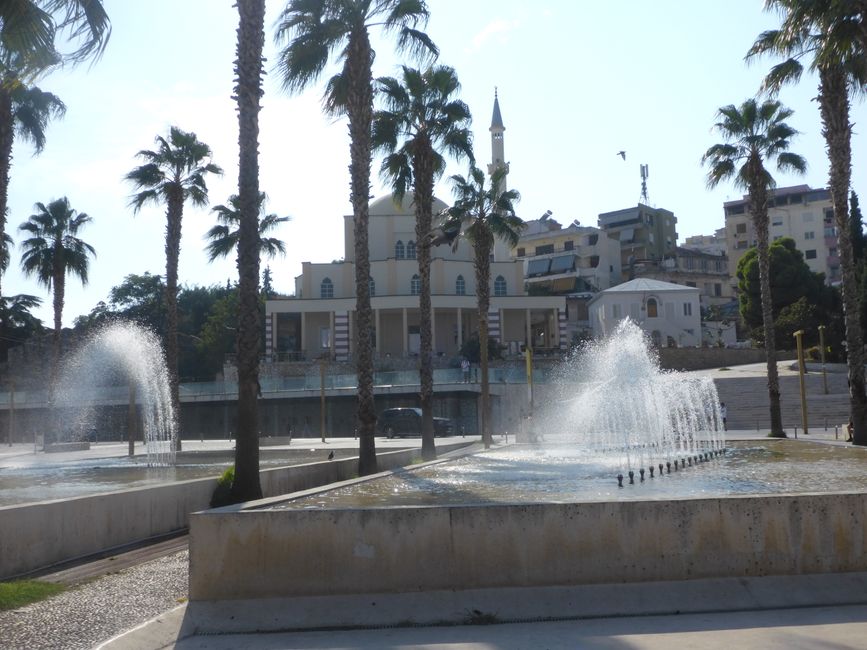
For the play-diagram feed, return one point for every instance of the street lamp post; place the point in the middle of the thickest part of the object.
(822, 356)
(799, 335)
(322, 397)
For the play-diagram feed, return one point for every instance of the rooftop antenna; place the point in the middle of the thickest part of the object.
(644, 175)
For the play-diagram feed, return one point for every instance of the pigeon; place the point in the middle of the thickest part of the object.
(622, 154)
(330, 455)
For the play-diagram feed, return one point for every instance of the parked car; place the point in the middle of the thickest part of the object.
(407, 422)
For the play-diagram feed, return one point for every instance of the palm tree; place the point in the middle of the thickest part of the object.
(17, 323)
(421, 116)
(824, 33)
(173, 174)
(312, 30)
(29, 32)
(484, 214)
(25, 112)
(224, 236)
(756, 133)
(248, 94)
(54, 250)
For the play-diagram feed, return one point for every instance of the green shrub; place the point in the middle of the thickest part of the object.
(223, 491)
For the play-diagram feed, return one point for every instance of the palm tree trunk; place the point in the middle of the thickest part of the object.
(174, 213)
(251, 38)
(423, 181)
(59, 282)
(483, 244)
(834, 107)
(7, 136)
(360, 112)
(759, 207)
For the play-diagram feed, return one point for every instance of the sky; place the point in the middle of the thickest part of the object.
(578, 81)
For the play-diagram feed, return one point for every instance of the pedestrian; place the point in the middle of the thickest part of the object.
(723, 413)
(850, 428)
(465, 370)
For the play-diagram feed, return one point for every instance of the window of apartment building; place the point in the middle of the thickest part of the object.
(520, 252)
(741, 228)
(652, 308)
(809, 235)
(808, 217)
(460, 286)
(568, 245)
(717, 289)
(326, 289)
(832, 252)
(410, 250)
(500, 286)
(830, 231)
(742, 244)
(777, 237)
(810, 255)
(399, 250)
(687, 309)
(544, 250)
(777, 222)
(415, 285)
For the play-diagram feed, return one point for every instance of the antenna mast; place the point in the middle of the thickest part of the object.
(645, 173)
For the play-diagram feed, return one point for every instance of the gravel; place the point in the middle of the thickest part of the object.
(90, 613)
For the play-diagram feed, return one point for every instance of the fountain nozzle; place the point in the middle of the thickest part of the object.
(651, 471)
(620, 480)
(631, 477)
(660, 468)
(668, 465)
(641, 472)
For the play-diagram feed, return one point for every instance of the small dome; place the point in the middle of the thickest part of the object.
(386, 206)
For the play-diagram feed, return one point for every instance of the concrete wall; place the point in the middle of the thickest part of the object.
(252, 554)
(35, 536)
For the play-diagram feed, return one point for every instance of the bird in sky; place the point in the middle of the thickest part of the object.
(622, 154)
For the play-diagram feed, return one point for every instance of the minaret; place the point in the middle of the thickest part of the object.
(498, 157)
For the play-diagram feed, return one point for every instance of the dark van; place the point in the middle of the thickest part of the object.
(407, 422)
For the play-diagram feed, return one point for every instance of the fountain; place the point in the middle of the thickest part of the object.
(546, 514)
(118, 354)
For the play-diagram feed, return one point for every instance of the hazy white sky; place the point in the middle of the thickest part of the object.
(578, 81)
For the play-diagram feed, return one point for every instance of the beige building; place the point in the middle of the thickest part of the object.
(693, 268)
(800, 212)
(319, 320)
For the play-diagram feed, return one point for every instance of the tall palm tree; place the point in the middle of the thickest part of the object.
(224, 236)
(29, 35)
(420, 118)
(483, 214)
(248, 95)
(755, 134)
(173, 174)
(311, 31)
(824, 34)
(25, 112)
(53, 250)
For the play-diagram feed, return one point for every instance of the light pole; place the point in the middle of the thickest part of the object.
(322, 396)
(799, 335)
(822, 356)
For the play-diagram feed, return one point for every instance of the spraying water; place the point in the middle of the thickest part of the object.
(123, 354)
(621, 405)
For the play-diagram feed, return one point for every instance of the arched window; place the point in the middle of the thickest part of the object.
(399, 251)
(410, 250)
(326, 289)
(500, 286)
(652, 308)
(371, 287)
(415, 285)
(460, 286)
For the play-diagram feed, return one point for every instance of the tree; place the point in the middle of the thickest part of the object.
(29, 34)
(248, 95)
(53, 250)
(224, 236)
(173, 174)
(17, 323)
(791, 280)
(25, 112)
(824, 33)
(421, 118)
(267, 284)
(482, 214)
(755, 133)
(311, 31)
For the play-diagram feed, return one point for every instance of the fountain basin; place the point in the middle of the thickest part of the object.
(260, 551)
